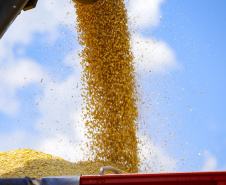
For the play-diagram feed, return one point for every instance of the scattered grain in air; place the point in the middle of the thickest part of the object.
(171, 114)
(182, 89)
(191, 110)
(41, 80)
(179, 122)
(201, 92)
(109, 80)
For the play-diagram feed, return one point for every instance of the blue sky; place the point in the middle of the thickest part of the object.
(196, 33)
(179, 55)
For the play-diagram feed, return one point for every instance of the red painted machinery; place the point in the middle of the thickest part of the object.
(189, 178)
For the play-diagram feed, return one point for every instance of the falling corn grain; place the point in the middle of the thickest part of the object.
(108, 72)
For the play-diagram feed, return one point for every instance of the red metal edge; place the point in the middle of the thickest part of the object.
(194, 178)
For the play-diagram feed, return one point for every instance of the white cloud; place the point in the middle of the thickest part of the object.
(149, 54)
(210, 163)
(20, 72)
(144, 12)
(58, 106)
(60, 125)
(154, 158)
(64, 145)
(15, 71)
(15, 75)
(14, 139)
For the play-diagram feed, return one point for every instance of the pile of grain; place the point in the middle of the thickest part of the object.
(32, 163)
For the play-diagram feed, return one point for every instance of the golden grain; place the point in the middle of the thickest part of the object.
(32, 163)
(110, 86)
